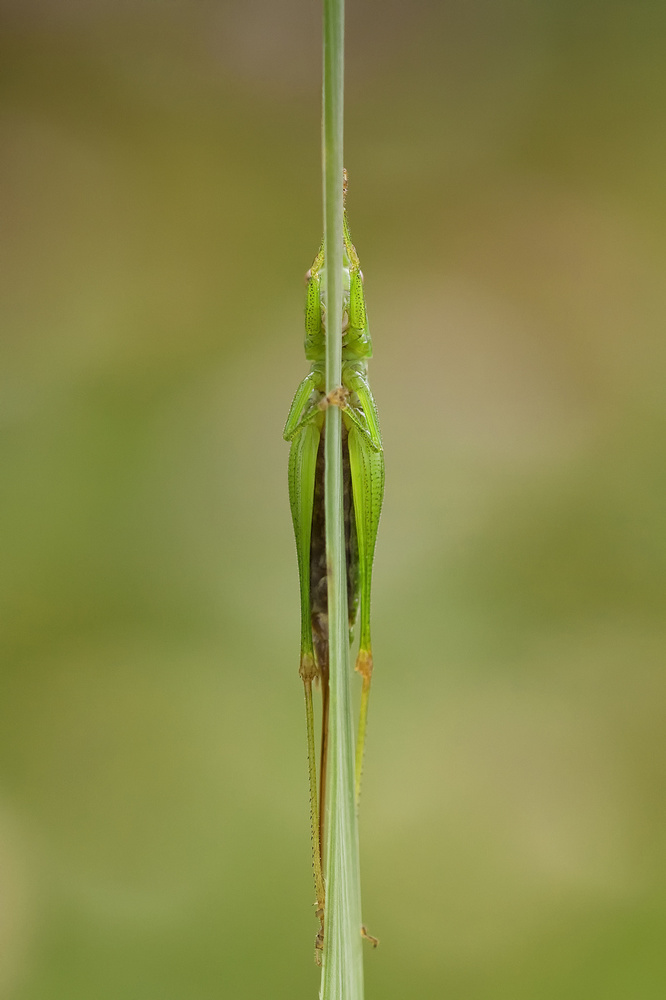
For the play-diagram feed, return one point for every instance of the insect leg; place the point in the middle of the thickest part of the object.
(367, 473)
(302, 465)
(364, 415)
(300, 410)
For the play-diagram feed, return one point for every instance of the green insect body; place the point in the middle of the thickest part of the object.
(363, 485)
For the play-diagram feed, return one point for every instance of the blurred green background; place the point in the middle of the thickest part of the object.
(160, 205)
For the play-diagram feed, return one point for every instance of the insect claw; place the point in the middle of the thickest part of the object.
(368, 937)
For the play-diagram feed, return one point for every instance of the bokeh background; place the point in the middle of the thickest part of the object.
(160, 205)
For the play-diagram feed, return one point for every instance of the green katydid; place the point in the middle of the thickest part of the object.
(363, 478)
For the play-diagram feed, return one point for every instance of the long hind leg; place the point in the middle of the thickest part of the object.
(302, 466)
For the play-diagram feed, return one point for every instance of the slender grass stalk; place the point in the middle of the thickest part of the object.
(342, 973)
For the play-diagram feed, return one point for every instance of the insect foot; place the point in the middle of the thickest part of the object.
(368, 937)
(364, 664)
(308, 668)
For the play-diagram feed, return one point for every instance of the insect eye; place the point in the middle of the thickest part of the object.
(360, 274)
(308, 275)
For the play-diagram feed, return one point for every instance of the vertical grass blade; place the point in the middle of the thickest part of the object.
(342, 973)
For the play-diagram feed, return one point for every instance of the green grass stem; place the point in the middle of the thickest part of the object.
(342, 972)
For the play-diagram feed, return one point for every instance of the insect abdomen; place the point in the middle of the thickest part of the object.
(318, 578)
